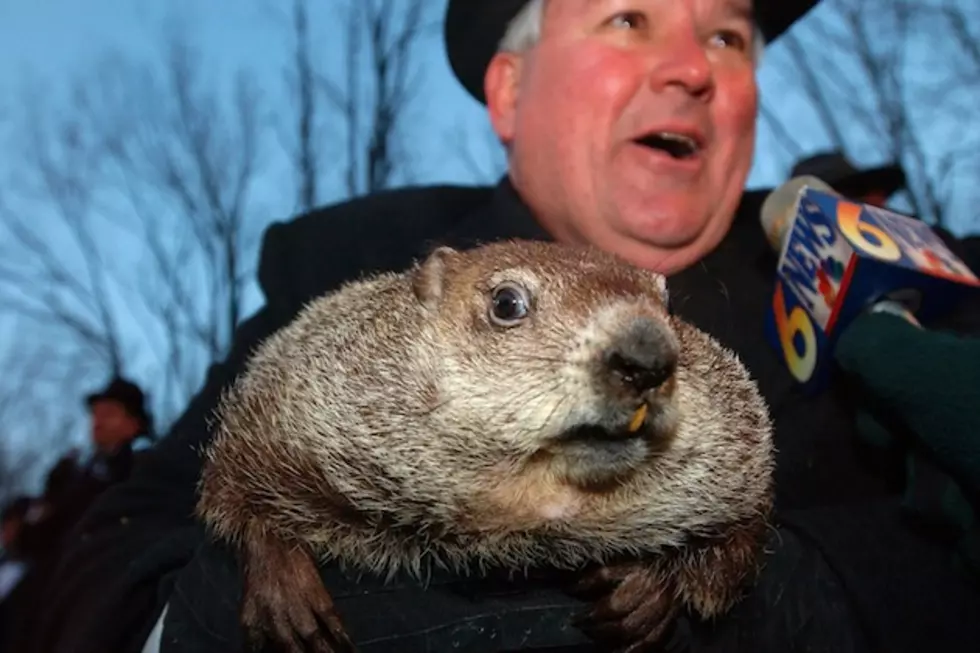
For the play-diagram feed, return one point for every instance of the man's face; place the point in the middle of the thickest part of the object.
(576, 110)
(112, 424)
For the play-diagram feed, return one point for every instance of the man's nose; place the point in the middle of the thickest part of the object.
(682, 62)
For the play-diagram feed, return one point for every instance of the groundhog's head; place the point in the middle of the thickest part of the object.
(567, 396)
(559, 354)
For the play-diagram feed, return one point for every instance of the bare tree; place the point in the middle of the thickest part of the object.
(869, 72)
(479, 151)
(198, 161)
(65, 282)
(301, 79)
(347, 122)
(126, 238)
(34, 418)
(147, 185)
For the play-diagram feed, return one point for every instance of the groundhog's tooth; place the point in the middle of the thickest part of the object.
(638, 417)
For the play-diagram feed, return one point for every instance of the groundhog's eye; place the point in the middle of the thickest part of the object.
(509, 305)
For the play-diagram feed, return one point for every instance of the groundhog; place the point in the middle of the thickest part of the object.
(516, 405)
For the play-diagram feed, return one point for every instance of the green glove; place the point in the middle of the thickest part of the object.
(928, 380)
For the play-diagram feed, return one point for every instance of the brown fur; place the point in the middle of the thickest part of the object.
(393, 426)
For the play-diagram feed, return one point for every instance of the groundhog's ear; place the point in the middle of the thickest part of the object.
(428, 280)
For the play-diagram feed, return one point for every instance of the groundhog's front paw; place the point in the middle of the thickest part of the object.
(285, 607)
(634, 605)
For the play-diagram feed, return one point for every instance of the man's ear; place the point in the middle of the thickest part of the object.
(501, 86)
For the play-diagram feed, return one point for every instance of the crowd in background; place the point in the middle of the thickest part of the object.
(36, 527)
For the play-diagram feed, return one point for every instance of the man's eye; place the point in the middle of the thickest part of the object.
(628, 20)
(731, 39)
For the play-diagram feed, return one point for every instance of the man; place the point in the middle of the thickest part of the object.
(119, 417)
(630, 126)
(871, 186)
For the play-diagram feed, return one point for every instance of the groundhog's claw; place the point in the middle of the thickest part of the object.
(285, 608)
(635, 604)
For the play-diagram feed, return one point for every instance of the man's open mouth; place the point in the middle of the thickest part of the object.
(675, 144)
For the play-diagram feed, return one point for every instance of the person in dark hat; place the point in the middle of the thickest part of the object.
(629, 126)
(870, 185)
(119, 416)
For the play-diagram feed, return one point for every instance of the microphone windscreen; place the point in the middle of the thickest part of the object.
(780, 206)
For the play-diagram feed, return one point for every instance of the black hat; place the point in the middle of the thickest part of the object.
(835, 169)
(129, 395)
(473, 29)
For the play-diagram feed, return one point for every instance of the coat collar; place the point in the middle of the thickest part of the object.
(504, 216)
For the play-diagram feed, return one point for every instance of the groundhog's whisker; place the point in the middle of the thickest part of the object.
(385, 433)
(544, 359)
(433, 408)
(515, 410)
(530, 398)
(560, 404)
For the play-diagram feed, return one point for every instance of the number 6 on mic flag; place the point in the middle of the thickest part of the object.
(838, 258)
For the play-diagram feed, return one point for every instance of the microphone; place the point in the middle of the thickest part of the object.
(839, 258)
(779, 208)
(778, 212)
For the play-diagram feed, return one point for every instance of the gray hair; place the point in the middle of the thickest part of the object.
(524, 30)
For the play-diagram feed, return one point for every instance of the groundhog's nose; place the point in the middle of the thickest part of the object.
(643, 357)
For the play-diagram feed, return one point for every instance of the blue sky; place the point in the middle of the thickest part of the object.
(54, 41)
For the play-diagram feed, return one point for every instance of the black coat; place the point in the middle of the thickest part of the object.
(69, 490)
(842, 577)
